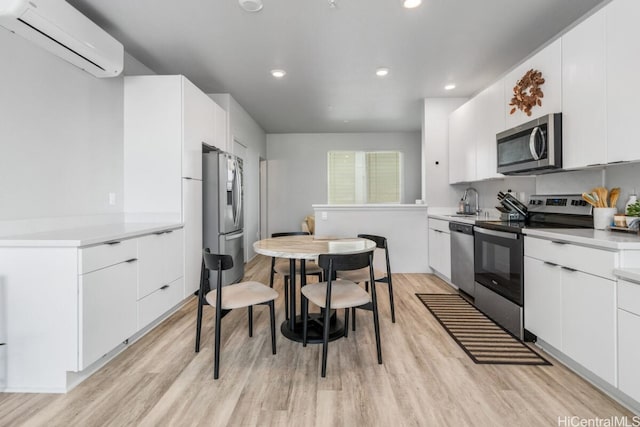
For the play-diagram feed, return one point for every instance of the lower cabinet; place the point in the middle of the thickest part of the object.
(440, 247)
(107, 310)
(159, 302)
(572, 310)
(628, 338)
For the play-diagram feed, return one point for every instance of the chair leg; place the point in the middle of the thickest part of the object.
(199, 323)
(273, 264)
(325, 341)
(376, 327)
(272, 317)
(346, 322)
(250, 313)
(286, 297)
(353, 314)
(393, 310)
(216, 350)
(305, 315)
(366, 286)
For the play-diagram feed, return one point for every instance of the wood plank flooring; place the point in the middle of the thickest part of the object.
(426, 379)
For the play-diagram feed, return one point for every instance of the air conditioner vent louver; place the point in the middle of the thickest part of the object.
(59, 28)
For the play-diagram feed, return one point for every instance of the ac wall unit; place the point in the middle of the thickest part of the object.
(61, 29)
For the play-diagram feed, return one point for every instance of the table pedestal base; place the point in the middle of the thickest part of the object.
(315, 329)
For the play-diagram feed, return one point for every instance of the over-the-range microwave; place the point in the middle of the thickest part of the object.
(532, 148)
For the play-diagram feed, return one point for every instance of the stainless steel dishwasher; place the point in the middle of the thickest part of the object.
(462, 273)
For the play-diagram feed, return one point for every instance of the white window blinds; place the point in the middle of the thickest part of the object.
(356, 177)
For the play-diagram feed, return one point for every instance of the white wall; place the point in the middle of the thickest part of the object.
(61, 138)
(247, 132)
(297, 170)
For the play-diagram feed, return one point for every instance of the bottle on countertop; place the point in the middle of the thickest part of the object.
(632, 200)
(461, 206)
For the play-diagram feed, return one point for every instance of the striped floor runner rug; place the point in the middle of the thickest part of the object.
(480, 337)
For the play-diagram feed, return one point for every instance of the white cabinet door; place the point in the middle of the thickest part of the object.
(198, 128)
(623, 63)
(629, 354)
(549, 62)
(440, 252)
(108, 310)
(192, 218)
(589, 322)
(584, 94)
(221, 133)
(152, 147)
(160, 260)
(543, 301)
(462, 148)
(489, 114)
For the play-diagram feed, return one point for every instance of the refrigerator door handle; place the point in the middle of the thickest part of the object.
(238, 193)
(233, 236)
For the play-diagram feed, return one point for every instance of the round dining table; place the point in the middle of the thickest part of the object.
(305, 248)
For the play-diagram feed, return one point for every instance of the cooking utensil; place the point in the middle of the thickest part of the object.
(614, 195)
(589, 199)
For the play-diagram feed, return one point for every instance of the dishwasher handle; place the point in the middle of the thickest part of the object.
(461, 228)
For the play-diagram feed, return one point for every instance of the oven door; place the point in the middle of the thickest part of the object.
(499, 262)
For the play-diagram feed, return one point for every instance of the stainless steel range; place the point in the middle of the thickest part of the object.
(499, 253)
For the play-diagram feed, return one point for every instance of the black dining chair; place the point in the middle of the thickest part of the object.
(362, 275)
(338, 294)
(226, 298)
(282, 267)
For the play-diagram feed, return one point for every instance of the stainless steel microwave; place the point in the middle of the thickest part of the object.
(532, 148)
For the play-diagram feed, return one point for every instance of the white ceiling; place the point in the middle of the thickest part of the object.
(330, 54)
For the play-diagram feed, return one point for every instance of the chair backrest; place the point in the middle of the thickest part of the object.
(345, 262)
(217, 261)
(291, 233)
(381, 242)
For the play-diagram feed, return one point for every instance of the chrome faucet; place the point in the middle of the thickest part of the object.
(477, 209)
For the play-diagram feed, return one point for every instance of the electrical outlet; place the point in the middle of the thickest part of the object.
(112, 199)
(323, 215)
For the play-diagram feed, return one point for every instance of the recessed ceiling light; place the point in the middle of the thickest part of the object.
(251, 5)
(278, 74)
(382, 72)
(410, 4)
(450, 87)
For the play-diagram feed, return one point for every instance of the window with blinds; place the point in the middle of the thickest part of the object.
(356, 177)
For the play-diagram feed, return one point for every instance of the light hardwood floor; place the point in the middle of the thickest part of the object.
(426, 379)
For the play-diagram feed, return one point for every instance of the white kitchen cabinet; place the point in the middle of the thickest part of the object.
(488, 113)
(160, 261)
(192, 218)
(549, 62)
(570, 301)
(221, 138)
(589, 322)
(440, 247)
(198, 127)
(107, 310)
(584, 100)
(628, 338)
(462, 145)
(543, 300)
(623, 63)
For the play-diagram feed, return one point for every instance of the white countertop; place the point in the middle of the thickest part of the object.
(85, 236)
(632, 274)
(588, 237)
(372, 206)
(466, 219)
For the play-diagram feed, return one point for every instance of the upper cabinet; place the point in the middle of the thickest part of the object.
(462, 144)
(584, 101)
(198, 128)
(221, 138)
(549, 62)
(489, 121)
(623, 63)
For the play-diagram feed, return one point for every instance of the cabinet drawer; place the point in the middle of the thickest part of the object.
(154, 305)
(629, 296)
(594, 261)
(107, 310)
(96, 257)
(628, 354)
(439, 224)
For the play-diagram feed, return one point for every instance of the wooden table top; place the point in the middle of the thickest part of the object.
(309, 247)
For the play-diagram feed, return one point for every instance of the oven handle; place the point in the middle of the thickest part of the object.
(503, 234)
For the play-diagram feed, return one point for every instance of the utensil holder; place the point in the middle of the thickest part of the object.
(603, 217)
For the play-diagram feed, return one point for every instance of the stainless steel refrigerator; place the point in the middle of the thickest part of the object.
(222, 197)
